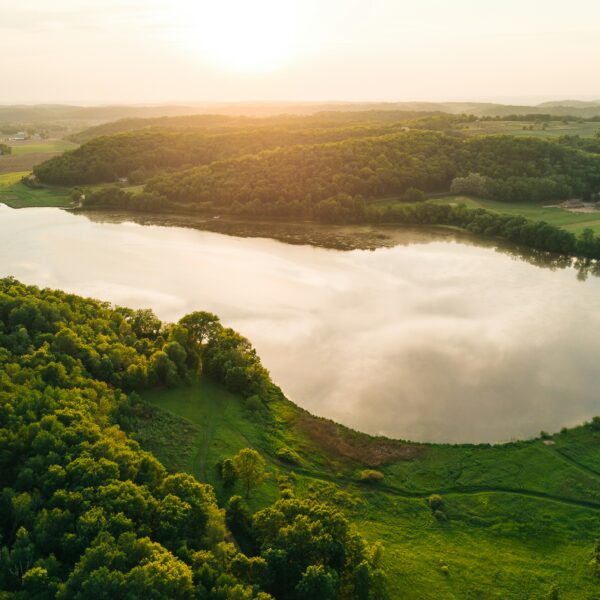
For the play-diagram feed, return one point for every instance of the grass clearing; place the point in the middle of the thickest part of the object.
(553, 129)
(15, 194)
(521, 517)
(574, 222)
(53, 146)
(571, 221)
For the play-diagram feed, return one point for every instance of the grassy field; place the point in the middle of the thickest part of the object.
(521, 517)
(571, 221)
(553, 129)
(16, 195)
(26, 154)
(575, 222)
(53, 146)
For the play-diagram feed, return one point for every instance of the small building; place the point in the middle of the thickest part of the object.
(20, 135)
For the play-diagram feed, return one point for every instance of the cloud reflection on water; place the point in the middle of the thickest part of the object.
(436, 340)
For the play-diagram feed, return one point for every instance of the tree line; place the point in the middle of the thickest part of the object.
(293, 180)
(86, 513)
(138, 155)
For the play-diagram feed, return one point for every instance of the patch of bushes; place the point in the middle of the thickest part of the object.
(287, 455)
(370, 476)
(435, 502)
(436, 505)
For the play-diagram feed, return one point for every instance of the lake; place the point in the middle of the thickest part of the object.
(434, 339)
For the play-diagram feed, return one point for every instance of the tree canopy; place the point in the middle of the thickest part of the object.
(84, 511)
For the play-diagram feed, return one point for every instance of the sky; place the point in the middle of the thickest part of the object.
(157, 51)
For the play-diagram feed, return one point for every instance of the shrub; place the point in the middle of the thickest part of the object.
(435, 502)
(440, 515)
(288, 455)
(413, 194)
(239, 521)
(473, 183)
(370, 476)
(254, 403)
(229, 473)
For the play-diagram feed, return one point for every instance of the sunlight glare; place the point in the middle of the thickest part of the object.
(242, 36)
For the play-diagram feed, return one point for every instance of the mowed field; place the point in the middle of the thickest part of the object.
(520, 520)
(16, 195)
(575, 222)
(54, 146)
(28, 153)
(520, 128)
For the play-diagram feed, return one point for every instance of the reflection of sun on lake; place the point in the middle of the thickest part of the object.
(435, 340)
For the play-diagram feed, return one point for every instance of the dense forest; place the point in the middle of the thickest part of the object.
(587, 144)
(385, 165)
(86, 513)
(138, 148)
(138, 154)
(299, 168)
(219, 123)
(305, 180)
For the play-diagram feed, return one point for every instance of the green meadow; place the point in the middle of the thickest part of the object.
(15, 194)
(554, 215)
(575, 222)
(519, 520)
(53, 146)
(520, 128)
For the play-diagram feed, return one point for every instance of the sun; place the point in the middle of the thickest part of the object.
(248, 36)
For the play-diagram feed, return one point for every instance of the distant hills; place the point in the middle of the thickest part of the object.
(94, 115)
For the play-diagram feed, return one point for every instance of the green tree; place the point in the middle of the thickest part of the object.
(229, 473)
(318, 582)
(250, 466)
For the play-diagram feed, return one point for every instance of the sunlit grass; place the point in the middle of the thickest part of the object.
(519, 128)
(15, 194)
(522, 517)
(34, 147)
(571, 221)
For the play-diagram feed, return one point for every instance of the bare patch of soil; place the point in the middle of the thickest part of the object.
(343, 443)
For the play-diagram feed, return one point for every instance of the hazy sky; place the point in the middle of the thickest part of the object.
(183, 50)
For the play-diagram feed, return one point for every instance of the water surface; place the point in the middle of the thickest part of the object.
(435, 339)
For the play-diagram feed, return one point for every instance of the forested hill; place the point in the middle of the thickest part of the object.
(139, 154)
(381, 166)
(85, 513)
(294, 180)
(219, 123)
(304, 166)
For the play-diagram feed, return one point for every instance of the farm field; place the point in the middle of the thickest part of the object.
(575, 222)
(516, 514)
(26, 154)
(571, 221)
(53, 146)
(516, 128)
